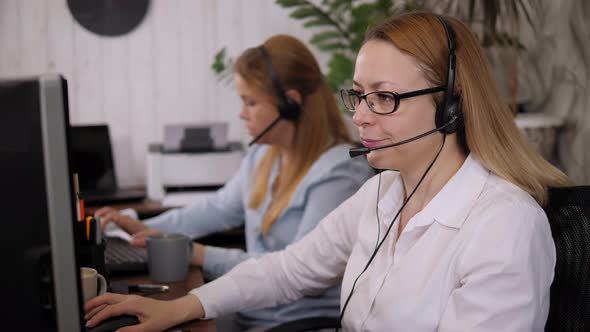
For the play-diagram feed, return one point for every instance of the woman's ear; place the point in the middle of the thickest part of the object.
(294, 94)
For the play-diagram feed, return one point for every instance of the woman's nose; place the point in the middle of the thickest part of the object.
(363, 115)
(243, 112)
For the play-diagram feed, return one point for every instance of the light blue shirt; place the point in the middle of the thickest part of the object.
(332, 178)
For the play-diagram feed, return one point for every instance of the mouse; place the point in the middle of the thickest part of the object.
(113, 323)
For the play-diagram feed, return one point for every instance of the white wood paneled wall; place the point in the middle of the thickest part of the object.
(156, 75)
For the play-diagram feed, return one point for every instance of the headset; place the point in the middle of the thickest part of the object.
(288, 108)
(450, 107)
(448, 119)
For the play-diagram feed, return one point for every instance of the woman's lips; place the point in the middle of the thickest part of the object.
(372, 143)
(250, 130)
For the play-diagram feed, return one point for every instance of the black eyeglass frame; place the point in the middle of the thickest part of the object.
(344, 93)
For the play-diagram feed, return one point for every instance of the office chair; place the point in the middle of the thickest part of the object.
(569, 217)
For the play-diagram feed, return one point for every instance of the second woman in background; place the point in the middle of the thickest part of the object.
(297, 173)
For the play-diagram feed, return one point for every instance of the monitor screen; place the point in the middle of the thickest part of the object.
(92, 158)
(40, 272)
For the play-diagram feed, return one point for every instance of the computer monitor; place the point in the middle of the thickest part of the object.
(91, 157)
(41, 284)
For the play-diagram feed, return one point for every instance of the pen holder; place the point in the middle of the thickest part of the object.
(89, 252)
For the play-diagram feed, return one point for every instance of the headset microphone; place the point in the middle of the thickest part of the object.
(265, 130)
(355, 152)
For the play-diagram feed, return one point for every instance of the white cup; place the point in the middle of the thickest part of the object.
(93, 283)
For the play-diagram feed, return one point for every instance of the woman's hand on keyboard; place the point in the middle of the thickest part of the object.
(138, 239)
(130, 225)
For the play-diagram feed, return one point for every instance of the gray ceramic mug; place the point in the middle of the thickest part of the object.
(169, 256)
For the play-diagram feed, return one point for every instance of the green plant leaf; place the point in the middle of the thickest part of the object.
(363, 16)
(318, 21)
(336, 4)
(289, 3)
(324, 36)
(219, 62)
(341, 68)
(305, 12)
(384, 5)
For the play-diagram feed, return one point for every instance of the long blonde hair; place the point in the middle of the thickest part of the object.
(319, 127)
(490, 131)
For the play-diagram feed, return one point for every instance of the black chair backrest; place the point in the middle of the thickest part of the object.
(569, 217)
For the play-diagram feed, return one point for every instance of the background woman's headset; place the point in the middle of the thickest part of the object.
(288, 108)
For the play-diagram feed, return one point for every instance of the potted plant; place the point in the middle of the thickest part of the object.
(340, 26)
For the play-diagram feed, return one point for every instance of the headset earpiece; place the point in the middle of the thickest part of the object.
(446, 114)
(449, 110)
(288, 108)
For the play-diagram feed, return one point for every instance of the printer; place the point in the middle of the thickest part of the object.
(192, 156)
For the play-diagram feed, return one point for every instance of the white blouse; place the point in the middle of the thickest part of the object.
(478, 257)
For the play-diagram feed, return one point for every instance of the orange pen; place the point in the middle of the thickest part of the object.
(81, 209)
(88, 219)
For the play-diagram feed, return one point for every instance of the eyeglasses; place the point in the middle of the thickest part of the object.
(381, 102)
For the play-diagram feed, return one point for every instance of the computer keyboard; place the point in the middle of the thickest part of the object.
(120, 256)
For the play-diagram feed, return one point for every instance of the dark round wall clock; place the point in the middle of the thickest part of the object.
(109, 17)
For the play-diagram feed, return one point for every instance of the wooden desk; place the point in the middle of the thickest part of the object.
(177, 289)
